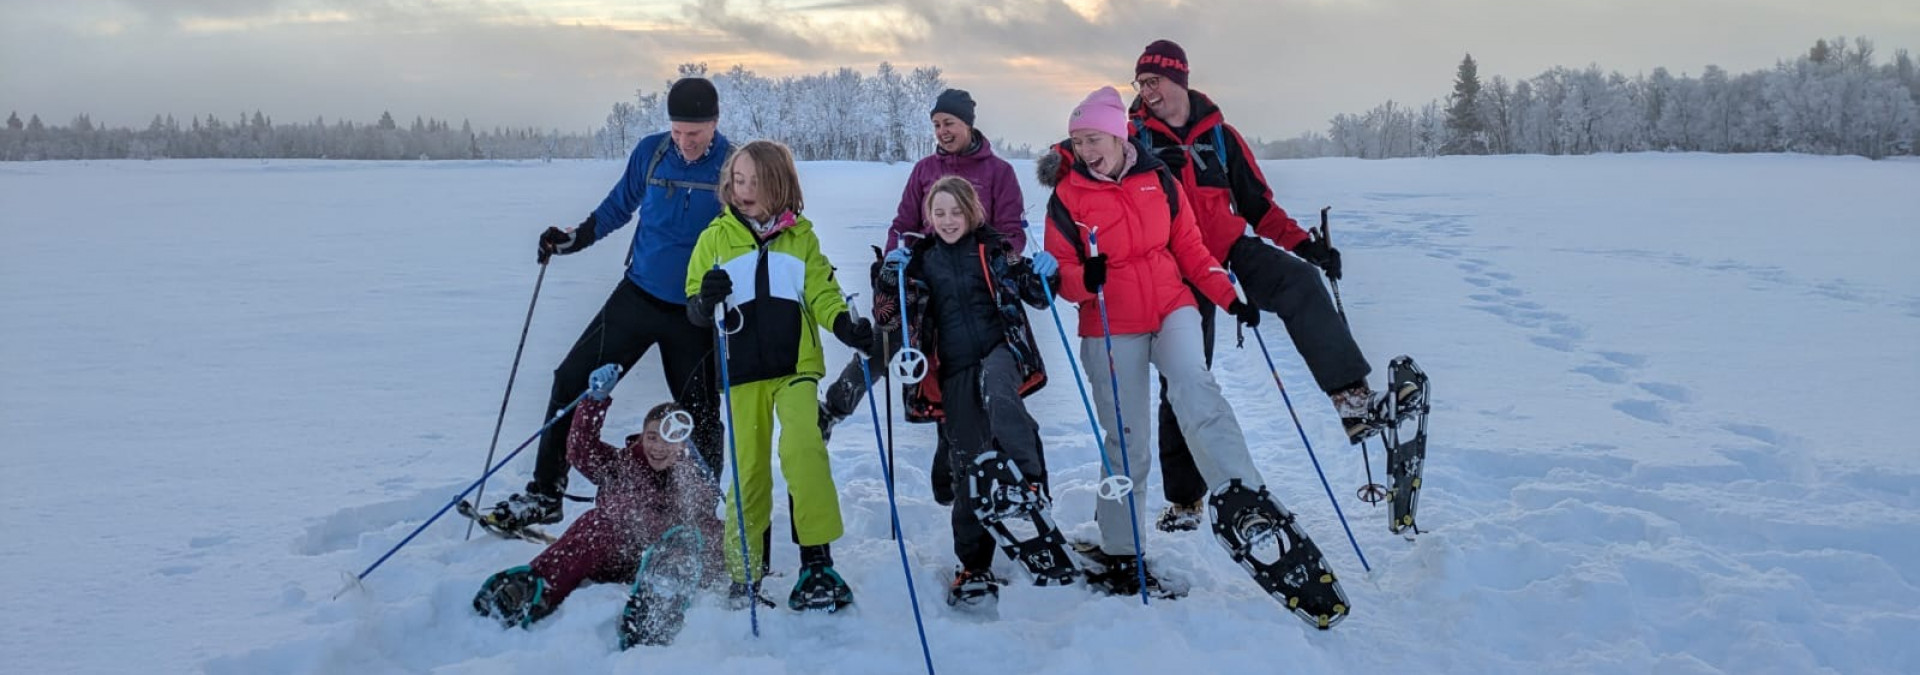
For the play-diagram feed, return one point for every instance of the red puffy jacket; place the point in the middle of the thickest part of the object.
(1150, 250)
(1218, 175)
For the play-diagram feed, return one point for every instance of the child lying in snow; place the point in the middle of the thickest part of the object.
(647, 488)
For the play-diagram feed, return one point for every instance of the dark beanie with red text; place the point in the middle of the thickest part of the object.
(1163, 58)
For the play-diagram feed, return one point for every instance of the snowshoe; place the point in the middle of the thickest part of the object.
(1182, 517)
(514, 596)
(1263, 537)
(504, 529)
(737, 594)
(1120, 574)
(1015, 512)
(663, 589)
(973, 590)
(819, 589)
(1406, 453)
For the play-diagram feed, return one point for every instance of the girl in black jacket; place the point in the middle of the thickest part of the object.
(965, 285)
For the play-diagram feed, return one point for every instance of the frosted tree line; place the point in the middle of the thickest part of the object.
(259, 136)
(1836, 99)
(841, 114)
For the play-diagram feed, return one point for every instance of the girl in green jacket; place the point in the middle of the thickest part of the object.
(774, 363)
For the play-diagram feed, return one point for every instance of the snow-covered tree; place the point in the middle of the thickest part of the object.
(1833, 99)
(1466, 132)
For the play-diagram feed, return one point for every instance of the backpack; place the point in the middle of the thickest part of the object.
(1219, 147)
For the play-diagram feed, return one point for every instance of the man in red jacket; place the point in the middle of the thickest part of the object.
(1218, 175)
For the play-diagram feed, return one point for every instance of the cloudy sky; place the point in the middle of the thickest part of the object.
(1278, 67)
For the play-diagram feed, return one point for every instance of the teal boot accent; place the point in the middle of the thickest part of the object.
(820, 588)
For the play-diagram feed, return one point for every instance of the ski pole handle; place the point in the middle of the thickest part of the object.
(1238, 292)
(1325, 234)
(852, 309)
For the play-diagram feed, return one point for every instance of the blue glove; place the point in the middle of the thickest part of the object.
(896, 258)
(600, 383)
(1044, 264)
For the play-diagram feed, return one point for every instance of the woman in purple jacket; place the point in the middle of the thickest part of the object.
(961, 151)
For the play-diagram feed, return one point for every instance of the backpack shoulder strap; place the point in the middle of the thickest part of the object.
(1220, 145)
(660, 153)
(1171, 187)
(1063, 221)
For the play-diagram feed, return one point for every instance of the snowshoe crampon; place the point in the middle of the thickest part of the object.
(1015, 513)
(1267, 542)
(663, 589)
(1406, 447)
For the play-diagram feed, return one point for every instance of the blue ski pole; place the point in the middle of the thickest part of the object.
(1303, 432)
(733, 454)
(1113, 376)
(866, 374)
(563, 412)
(909, 364)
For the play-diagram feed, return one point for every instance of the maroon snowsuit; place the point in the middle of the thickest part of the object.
(635, 506)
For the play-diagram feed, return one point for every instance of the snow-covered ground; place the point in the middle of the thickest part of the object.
(1665, 431)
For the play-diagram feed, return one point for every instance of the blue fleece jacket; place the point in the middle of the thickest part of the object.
(674, 208)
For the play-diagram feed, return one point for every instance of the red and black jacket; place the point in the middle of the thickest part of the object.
(1218, 175)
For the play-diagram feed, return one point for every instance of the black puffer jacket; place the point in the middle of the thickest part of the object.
(963, 300)
(961, 305)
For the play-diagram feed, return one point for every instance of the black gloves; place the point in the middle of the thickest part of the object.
(715, 286)
(1247, 314)
(1321, 254)
(856, 333)
(1093, 273)
(558, 241)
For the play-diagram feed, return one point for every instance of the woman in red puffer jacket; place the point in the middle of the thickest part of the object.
(1114, 194)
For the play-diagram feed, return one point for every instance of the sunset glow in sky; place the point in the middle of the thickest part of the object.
(1278, 67)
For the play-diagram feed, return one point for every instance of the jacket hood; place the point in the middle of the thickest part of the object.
(1051, 167)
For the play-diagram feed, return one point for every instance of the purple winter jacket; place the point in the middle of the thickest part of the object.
(991, 176)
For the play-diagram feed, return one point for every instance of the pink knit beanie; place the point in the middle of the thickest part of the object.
(1101, 111)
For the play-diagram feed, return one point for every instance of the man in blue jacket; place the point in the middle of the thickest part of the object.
(672, 180)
